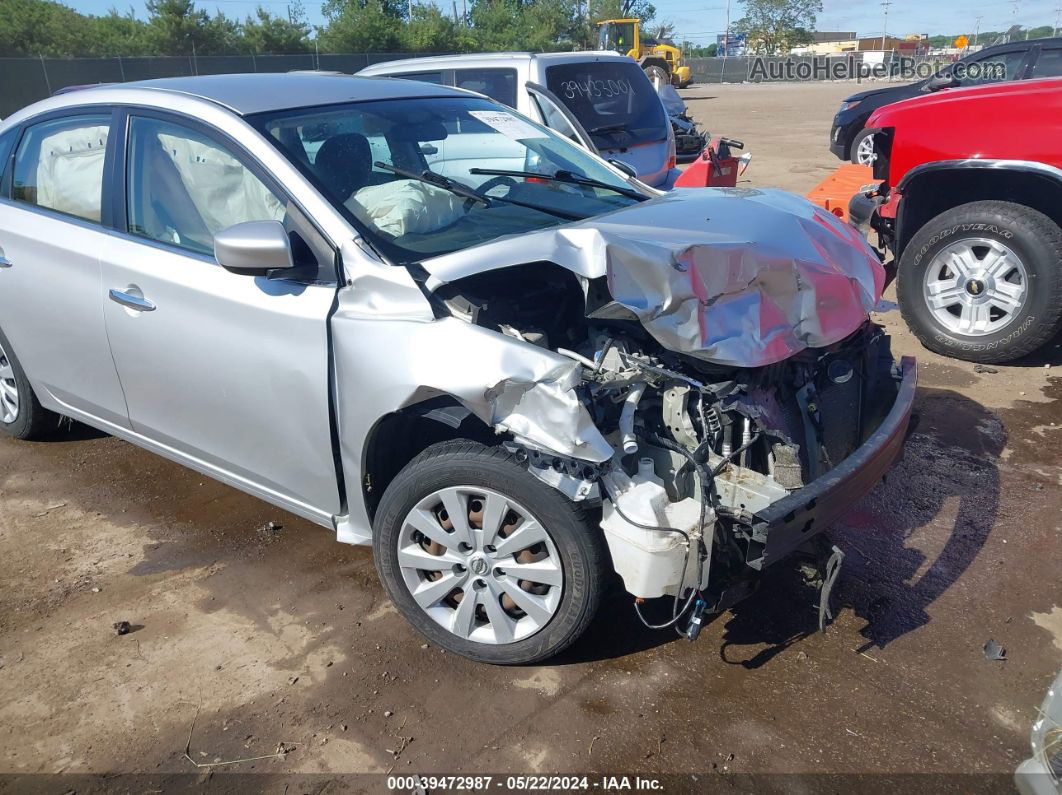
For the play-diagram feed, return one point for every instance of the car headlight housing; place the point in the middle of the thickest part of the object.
(848, 104)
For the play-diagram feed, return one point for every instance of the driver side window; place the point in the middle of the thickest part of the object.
(184, 187)
(992, 69)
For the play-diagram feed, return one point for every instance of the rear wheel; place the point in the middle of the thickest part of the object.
(486, 560)
(21, 414)
(982, 281)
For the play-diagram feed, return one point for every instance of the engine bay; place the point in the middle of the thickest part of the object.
(701, 449)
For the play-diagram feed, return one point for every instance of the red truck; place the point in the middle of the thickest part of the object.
(970, 208)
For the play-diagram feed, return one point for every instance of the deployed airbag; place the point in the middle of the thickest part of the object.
(70, 171)
(222, 189)
(406, 206)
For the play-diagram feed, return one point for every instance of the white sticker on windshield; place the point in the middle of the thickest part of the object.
(507, 124)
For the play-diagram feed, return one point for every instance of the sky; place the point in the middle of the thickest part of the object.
(700, 22)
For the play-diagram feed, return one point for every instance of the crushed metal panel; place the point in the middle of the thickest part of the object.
(736, 277)
(507, 383)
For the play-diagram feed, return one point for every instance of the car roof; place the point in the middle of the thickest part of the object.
(1021, 44)
(247, 94)
(428, 63)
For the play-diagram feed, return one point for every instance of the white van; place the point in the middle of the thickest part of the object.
(603, 100)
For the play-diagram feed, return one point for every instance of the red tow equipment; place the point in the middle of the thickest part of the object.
(716, 166)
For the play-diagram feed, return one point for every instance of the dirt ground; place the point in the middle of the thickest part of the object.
(278, 637)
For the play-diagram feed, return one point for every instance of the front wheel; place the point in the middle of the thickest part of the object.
(982, 281)
(485, 559)
(862, 150)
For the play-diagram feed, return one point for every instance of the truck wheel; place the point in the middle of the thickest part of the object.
(862, 151)
(982, 282)
(21, 414)
(657, 74)
(486, 560)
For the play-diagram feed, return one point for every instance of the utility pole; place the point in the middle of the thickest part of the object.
(977, 30)
(726, 36)
(410, 10)
(885, 30)
(1058, 15)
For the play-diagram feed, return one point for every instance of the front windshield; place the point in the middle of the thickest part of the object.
(353, 153)
(613, 100)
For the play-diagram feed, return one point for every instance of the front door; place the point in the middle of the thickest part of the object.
(226, 372)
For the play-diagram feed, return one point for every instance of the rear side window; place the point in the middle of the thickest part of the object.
(423, 77)
(498, 84)
(1049, 64)
(59, 165)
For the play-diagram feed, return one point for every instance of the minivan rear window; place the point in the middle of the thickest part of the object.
(613, 100)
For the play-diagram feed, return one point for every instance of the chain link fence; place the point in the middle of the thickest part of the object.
(27, 80)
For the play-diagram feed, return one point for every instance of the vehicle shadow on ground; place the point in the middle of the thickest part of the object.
(1050, 354)
(68, 430)
(616, 631)
(945, 491)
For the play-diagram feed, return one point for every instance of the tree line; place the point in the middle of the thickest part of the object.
(178, 27)
(989, 37)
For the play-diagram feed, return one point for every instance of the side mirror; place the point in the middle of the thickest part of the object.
(626, 168)
(937, 82)
(253, 248)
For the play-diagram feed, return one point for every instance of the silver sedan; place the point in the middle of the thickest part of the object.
(415, 316)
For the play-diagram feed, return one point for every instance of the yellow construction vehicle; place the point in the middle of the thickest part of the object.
(625, 36)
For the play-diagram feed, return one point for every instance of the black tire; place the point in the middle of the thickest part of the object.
(32, 419)
(578, 540)
(853, 150)
(1032, 236)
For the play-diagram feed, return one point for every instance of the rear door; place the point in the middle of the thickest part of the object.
(227, 373)
(53, 212)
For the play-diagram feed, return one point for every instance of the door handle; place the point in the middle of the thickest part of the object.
(132, 301)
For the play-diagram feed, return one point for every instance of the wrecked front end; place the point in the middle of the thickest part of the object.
(719, 390)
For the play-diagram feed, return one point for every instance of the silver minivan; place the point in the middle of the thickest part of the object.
(603, 100)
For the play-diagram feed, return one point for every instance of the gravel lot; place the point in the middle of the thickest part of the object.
(268, 636)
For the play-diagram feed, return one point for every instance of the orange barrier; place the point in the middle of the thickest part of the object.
(834, 192)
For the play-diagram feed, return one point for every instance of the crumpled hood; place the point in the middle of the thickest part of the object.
(737, 277)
